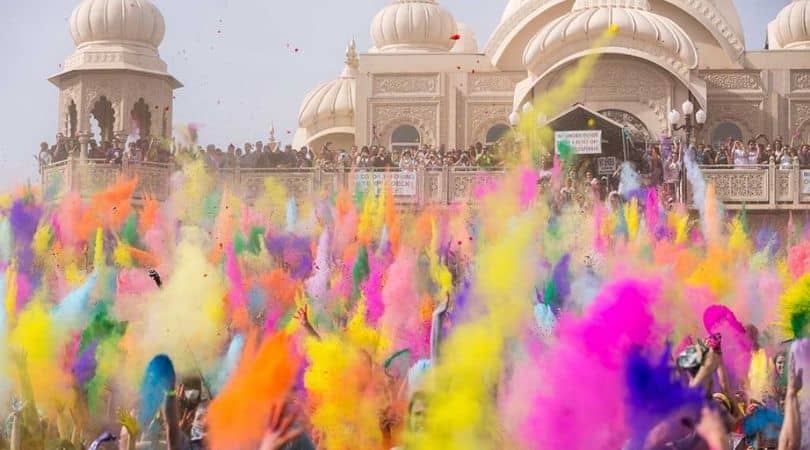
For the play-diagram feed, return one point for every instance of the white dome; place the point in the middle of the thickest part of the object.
(413, 26)
(332, 103)
(792, 26)
(467, 42)
(328, 101)
(635, 22)
(137, 21)
(511, 8)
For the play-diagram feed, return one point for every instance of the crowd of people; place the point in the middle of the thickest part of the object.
(275, 156)
(342, 323)
(330, 158)
(110, 152)
(664, 169)
(756, 151)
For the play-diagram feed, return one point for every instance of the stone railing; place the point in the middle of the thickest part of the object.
(411, 188)
(759, 187)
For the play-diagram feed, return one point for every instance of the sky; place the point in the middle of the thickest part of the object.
(236, 59)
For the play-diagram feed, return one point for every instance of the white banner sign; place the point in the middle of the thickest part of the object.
(402, 183)
(606, 165)
(585, 142)
(805, 181)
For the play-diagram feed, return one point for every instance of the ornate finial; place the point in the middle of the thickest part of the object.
(351, 54)
(272, 132)
(352, 61)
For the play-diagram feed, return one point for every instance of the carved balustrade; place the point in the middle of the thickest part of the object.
(759, 187)
(411, 188)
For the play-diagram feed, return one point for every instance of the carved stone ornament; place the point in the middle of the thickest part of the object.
(493, 82)
(406, 84)
(483, 116)
(387, 117)
(800, 80)
(462, 183)
(799, 115)
(739, 185)
(784, 185)
(747, 114)
(619, 80)
(733, 80)
(638, 130)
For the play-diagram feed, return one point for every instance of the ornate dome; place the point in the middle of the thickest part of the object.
(413, 26)
(332, 103)
(468, 42)
(632, 20)
(134, 21)
(791, 28)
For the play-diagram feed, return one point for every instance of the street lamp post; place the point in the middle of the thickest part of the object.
(693, 122)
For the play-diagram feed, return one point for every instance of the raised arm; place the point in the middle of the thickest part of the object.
(790, 438)
(302, 315)
(174, 436)
(436, 328)
(710, 364)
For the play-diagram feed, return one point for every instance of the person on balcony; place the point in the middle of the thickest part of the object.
(263, 159)
(804, 155)
(485, 158)
(407, 161)
(306, 156)
(723, 157)
(327, 154)
(44, 155)
(288, 158)
(464, 160)
(709, 155)
(383, 159)
(115, 154)
(764, 153)
(249, 156)
(739, 154)
(363, 160)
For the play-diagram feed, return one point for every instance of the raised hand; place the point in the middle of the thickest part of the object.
(127, 420)
(302, 314)
(795, 379)
(280, 430)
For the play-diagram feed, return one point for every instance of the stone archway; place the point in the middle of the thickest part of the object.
(635, 127)
(637, 89)
(104, 115)
(141, 119)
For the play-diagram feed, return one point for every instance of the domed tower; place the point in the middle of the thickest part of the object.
(791, 28)
(116, 76)
(413, 26)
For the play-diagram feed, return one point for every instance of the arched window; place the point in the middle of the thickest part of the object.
(405, 136)
(141, 118)
(104, 116)
(496, 133)
(724, 131)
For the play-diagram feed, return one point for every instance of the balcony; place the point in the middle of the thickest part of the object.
(411, 188)
(759, 187)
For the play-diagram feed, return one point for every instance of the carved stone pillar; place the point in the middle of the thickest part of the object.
(84, 140)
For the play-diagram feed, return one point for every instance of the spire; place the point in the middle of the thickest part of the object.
(352, 61)
(272, 141)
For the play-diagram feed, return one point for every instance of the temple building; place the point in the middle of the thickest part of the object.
(116, 75)
(426, 80)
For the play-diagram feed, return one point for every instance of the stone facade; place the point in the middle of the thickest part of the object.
(699, 54)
